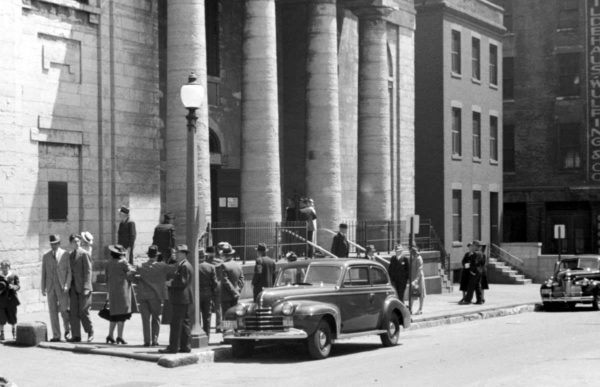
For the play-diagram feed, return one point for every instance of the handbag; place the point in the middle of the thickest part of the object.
(105, 312)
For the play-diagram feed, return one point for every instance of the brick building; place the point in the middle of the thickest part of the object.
(304, 98)
(550, 161)
(458, 120)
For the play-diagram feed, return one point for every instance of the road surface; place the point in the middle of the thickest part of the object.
(533, 349)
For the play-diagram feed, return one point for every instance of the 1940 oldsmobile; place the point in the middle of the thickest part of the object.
(575, 280)
(325, 301)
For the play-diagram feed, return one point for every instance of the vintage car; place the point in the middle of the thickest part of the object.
(575, 280)
(319, 303)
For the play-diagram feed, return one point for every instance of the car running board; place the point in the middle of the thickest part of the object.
(345, 336)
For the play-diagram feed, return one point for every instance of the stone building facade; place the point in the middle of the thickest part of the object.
(308, 98)
(459, 120)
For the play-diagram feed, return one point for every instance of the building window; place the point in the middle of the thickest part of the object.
(476, 135)
(508, 78)
(569, 146)
(568, 72)
(508, 156)
(476, 59)
(457, 215)
(568, 14)
(476, 215)
(493, 65)
(493, 138)
(212, 38)
(456, 132)
(58, 201)
(456, 54)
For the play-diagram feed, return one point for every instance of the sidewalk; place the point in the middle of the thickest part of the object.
(439, 309)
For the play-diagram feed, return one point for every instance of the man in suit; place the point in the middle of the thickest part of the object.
(340, 247)
(126, 232)
(164, 237)
(264, 271)
(81, 290)
(217, 263)
(56, 282)
(399, 271)
(232, 282)
(181, 297)
(208, 288)
(475, 267)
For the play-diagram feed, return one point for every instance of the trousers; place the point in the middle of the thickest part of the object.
(205, 302)
(58, 303)
(181, 328)
(474, 287)
(80, 313)
(150, 311)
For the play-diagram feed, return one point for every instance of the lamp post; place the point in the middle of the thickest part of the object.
(192, 97)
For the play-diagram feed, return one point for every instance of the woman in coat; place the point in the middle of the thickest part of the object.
(118, 272)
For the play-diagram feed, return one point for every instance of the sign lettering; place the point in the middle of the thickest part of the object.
(593, 76)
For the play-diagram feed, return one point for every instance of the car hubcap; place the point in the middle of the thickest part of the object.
(392, 329)
(322, 339)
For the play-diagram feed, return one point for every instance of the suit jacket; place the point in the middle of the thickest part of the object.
(398, 269)
(264, 274)
(126, 234)
(56, 272)
(208, 279)
(477, 263)
(164, 239)
(181, 290)
(151, 277)
(340, 246)
(10, 285)
(232, 282)
(81, 270)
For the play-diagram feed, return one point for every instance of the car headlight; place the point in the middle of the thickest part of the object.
(583, 282)
(287, 309)
(241, 310)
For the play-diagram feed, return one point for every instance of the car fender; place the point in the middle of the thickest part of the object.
(307, 315)
(391, 304)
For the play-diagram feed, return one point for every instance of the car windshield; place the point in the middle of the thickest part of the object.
(291, 276)
(323, 275)
(580, 264)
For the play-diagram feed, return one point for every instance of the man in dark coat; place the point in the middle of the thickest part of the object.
(264, 271)
(399, 271)
(340, 247)
(181, 297)
(232, 281)
(208, 287)
(164, 237)
(216, 262)
(126, 232)
(81, 290)
(474, 271)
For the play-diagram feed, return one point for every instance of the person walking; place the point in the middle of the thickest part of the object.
(9, 300)
(87, 241)
(80, 292)
(118, 273)
(56, 282)
(164, 237)
(399, 272)
(340, 247)
(264, 271)
(418, 278)
(181, 297)
(126, 233)
(150, 278)
(232, 281)
(208, 287)
(217, 263)
(475, 269)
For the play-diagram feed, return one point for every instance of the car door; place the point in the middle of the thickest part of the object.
(380, 289)
(354, 300)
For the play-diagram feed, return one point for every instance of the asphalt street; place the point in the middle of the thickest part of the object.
(532, 349)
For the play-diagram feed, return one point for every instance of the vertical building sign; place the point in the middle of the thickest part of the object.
(593, 91)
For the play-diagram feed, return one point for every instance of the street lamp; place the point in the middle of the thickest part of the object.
(192, 97)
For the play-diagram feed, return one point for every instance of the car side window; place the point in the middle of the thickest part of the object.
(357, 276)
(378, 276)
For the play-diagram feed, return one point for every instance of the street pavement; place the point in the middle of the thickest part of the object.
(533, 349)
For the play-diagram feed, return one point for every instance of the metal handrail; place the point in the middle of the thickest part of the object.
(316, 246)
(507, 257)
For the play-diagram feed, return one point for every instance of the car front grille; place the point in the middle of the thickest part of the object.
(263, 320)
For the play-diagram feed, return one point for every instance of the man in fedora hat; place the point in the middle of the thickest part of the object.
(181, 297)
(399, 271)
(232, 281)
(87, 241)
(56, 282)
(264, 271)
(81, 290)
(208, 287)
(340, 247)
(126, 232)
(164, 237)
(475, 267)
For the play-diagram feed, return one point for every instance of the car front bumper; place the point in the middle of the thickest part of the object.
(288, 334)
(551, 298)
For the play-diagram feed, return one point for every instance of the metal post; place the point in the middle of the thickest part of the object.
(411, 236)
(244, 244)
(276, 241)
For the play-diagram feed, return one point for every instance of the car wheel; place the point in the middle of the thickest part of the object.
(242, 349)
(319, 343)
(392, 334)
(549, 306)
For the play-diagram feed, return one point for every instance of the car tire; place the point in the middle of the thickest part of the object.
(549, 306)
(319, 343)
(392, 334)
(241, 349)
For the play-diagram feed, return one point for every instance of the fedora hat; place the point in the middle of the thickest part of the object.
(153, 251)
(117, 249)
(124, 210)
(226, 248)
(54, 238)
(262, 247)
(87, 237)
(182, 248)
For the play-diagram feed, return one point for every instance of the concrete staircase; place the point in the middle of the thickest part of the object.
(500, 273)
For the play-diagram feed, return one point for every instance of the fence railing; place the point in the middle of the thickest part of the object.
(506, 257)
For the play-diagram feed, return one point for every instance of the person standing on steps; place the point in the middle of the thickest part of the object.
(126, 233)
(309, 214)
(164, 237)
(340, 247)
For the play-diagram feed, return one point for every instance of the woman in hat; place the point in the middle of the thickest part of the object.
(87, 240)
(118, 272)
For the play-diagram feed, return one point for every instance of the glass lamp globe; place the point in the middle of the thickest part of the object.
(192, 93)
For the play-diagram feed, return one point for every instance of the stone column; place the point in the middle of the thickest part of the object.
(374, 170)
(323, 174)
(260, 180)
(186, 52)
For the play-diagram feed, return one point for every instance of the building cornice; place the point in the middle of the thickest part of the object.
(474, 14)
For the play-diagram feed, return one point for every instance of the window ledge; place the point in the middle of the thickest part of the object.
(476, 81)
(493, 162)
(457, 157)
(492, 86)
(477, 160)
(568, 97)
(509, 33)
(510, 100)
(457, 244)
(456, 75)
(566, 29)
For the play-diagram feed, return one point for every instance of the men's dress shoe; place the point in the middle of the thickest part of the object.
(479, 303)
(185, 350)
(166, 350)
(146, 344)
(55, 340)
(67, 335)
(155, 344)
(75, 339)
(463, 302)
(90, 337)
